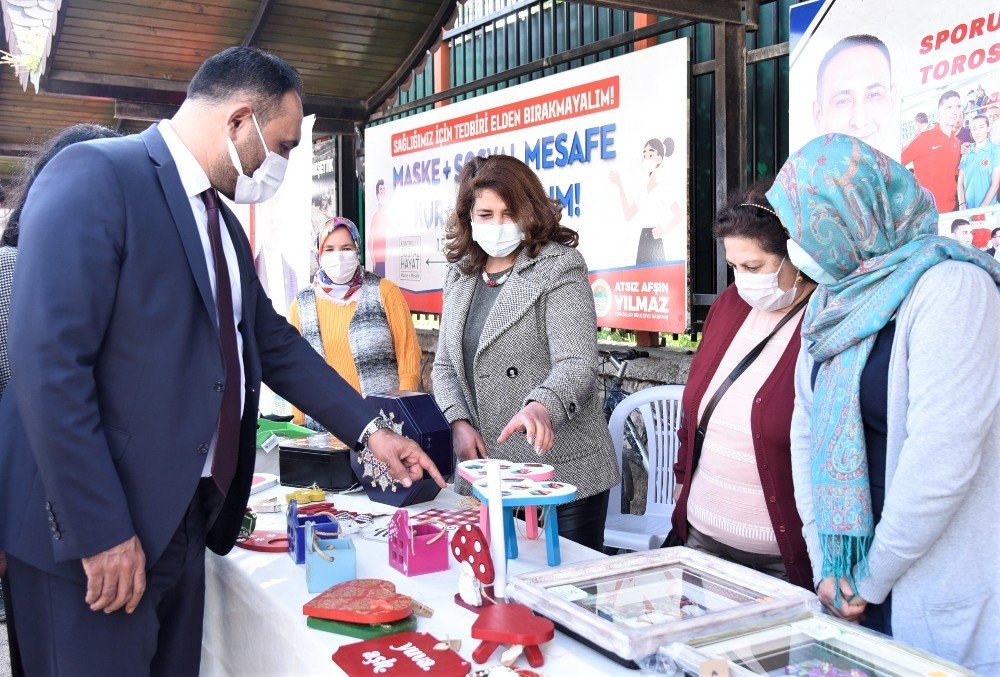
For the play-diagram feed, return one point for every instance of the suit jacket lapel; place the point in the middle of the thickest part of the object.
(180, 209)
(517, 297)
(242, 247)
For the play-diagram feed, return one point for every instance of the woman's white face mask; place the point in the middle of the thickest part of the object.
(761, 290)
(497, 241)
(340, 266)
(807, 264)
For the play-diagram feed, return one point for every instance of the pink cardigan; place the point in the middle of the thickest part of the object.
(770, 423)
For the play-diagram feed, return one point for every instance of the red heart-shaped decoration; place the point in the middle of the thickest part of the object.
(512, 624)
(366, 600)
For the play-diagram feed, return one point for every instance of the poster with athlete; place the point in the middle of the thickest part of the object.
(924, 90)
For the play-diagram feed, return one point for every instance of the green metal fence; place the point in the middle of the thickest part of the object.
(494, 36)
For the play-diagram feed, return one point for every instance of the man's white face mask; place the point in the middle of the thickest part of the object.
(265, 181)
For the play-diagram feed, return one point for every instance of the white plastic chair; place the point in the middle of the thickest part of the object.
(660, 407)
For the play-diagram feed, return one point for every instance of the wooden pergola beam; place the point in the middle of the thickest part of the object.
(137, 110)
(149, 99)
(416, 55)
(125, 87)
(259, 22)
(17, 149)
(723, 11)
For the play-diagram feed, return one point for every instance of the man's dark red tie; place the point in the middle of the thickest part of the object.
(228, 431)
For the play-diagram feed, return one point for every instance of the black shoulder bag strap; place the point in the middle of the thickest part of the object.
(699, 434)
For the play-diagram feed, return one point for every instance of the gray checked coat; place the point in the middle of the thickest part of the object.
(538, 344)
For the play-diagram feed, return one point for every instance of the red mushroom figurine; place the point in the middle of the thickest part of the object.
(470, 547)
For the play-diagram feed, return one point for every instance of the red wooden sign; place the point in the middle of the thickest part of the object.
(406, 654)
(265, 541)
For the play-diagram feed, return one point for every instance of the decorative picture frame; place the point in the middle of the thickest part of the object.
(630, 605)
(811, 644)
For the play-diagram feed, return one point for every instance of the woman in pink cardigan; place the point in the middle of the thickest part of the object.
(736, 500)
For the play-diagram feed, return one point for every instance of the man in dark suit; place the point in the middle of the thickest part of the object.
(139, 336)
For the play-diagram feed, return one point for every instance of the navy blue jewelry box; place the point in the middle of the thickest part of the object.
(423, 423)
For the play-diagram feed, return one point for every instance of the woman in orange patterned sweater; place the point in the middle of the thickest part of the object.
(358, 321)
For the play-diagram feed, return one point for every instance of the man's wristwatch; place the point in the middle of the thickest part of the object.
(379, 423)
(372, 469)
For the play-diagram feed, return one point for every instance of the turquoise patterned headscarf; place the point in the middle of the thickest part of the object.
(864, 218)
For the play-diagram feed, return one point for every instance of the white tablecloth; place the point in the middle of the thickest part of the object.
(253, 608)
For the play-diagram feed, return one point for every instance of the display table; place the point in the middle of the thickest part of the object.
(253, 604)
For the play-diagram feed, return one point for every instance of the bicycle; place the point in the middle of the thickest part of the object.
(634, 448)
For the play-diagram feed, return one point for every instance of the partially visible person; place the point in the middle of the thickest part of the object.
(517, 350)
(993, 115)
(896, 428)
(981, 98)
(855, 94)
(660, 218)
(8, 256)
(359, 322)
(378, 231)
(961, 230)
(734, 483)
(922, 124)
(994, 248)
(935, 154)
(979, 169)
(139, 337)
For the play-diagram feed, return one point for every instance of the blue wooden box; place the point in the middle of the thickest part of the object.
(296, 526)
(322, 573)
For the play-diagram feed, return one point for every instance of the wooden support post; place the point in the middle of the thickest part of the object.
(640, 20)
(442, 70)
(730, 125)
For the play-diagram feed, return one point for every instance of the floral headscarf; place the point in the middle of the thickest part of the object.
(865, 219)
(323, 283)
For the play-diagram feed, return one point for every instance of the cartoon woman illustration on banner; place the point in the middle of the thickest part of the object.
(659, 217)
(377, 234)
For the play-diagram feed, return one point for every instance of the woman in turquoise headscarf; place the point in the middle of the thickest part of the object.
(896, 431)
